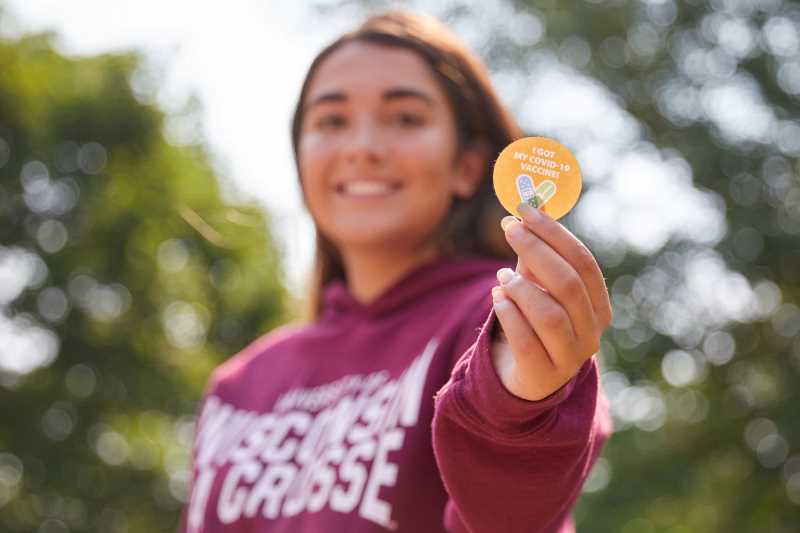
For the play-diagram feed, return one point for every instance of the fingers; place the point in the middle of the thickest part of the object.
(546, 319)
(579, 257)
(557, 276)
(526, 346)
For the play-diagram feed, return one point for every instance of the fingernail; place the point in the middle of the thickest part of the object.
(498, 295)
(527, 209)
(507, 220)
(533, 213)
(504, 275)
(523, 207)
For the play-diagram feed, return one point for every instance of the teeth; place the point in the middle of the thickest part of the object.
(367, 188)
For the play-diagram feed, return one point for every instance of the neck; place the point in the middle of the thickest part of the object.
(370, 272)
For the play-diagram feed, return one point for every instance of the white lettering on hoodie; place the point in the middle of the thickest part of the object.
(313, 450)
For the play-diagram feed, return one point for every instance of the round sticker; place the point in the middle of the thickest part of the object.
(539, 171)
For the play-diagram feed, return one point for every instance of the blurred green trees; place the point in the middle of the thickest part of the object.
(103, 355)
(124, 279)
(702, 363)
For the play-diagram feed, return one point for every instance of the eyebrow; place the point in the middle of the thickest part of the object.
(397, 93)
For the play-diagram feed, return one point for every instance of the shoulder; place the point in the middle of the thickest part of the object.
(469, 301)
(473, 293)
(255, 355)
(470, 272)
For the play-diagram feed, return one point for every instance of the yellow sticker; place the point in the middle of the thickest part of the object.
(539, 171)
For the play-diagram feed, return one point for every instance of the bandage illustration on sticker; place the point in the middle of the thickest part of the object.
(525, 188)
(540, 172)
(537, 196)
(545, 191)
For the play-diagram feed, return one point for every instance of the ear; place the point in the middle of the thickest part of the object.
(470, 169)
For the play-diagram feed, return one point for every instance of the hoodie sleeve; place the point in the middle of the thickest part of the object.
(511, 464)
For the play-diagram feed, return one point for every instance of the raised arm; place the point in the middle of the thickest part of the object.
(511, 464)
(522, 419)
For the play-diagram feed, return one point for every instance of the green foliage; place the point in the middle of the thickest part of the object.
(127, 279)
(719, 452)
(726, 457)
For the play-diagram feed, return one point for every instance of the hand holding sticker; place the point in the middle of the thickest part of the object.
(540, 172)
(554, 308)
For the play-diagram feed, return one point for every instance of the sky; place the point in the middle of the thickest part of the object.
(198, 48)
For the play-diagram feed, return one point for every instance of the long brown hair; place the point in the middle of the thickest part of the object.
(471, 227)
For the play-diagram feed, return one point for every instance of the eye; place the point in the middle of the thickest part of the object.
(332, 121)
(409, 119)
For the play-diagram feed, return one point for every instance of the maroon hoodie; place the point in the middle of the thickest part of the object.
(390, 417)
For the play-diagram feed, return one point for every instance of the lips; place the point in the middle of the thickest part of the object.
(367, 187)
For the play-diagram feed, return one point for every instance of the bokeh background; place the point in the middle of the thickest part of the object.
(151, 226)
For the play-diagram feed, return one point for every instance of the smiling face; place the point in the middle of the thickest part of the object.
(377, 149)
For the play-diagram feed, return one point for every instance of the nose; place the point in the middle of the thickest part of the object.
(365, 143)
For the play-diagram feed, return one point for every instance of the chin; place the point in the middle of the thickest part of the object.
(369, 240)
(368, 235)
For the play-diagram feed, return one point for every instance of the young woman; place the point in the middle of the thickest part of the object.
(422, 396)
